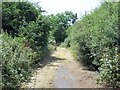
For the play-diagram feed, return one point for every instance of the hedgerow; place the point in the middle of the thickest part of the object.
(110, 68)
(26, 42)
(17, 60)
(97, 35)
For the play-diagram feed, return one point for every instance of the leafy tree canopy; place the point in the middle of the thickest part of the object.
(60, 23)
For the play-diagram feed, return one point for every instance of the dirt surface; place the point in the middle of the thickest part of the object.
(73, 75)
(62, 71)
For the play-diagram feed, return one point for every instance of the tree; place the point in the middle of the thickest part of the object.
(60, 24)
(14, 16)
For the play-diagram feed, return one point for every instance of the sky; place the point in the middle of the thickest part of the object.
(76, 6)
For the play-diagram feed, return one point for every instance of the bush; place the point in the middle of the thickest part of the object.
(24, 19)
(27, 41)
(110, 69)
(90, 37)
(36, 35)
(13, 14)
(16, 61)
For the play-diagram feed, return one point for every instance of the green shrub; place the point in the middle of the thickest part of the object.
(110, 69)
(94, 32)
(16, 61)
(13, 14)
(90, 37)
(36, 35)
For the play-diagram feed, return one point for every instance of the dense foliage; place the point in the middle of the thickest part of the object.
(95, 41)
(28, 39)
(26, 20)
(13, 15)
(59, 25)
(26, 42)
(27, 35)
(36, 34)
(16, 61)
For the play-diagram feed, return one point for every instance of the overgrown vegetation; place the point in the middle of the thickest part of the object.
(28, 35)
(95, 41)
(16, 61)
(59, 24)
(25, 43)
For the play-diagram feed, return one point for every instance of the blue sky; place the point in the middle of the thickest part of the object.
(76, 6)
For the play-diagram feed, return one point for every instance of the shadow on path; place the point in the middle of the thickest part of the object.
(50, 59)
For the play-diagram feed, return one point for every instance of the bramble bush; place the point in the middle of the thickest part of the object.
(36, 35)
(110, 68)
(25, 19)
(90, 37)
(16, 61)
(26, 42)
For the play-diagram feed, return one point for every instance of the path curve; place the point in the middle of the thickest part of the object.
(62, 71)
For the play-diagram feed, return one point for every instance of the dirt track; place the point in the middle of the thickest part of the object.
(62, 71)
